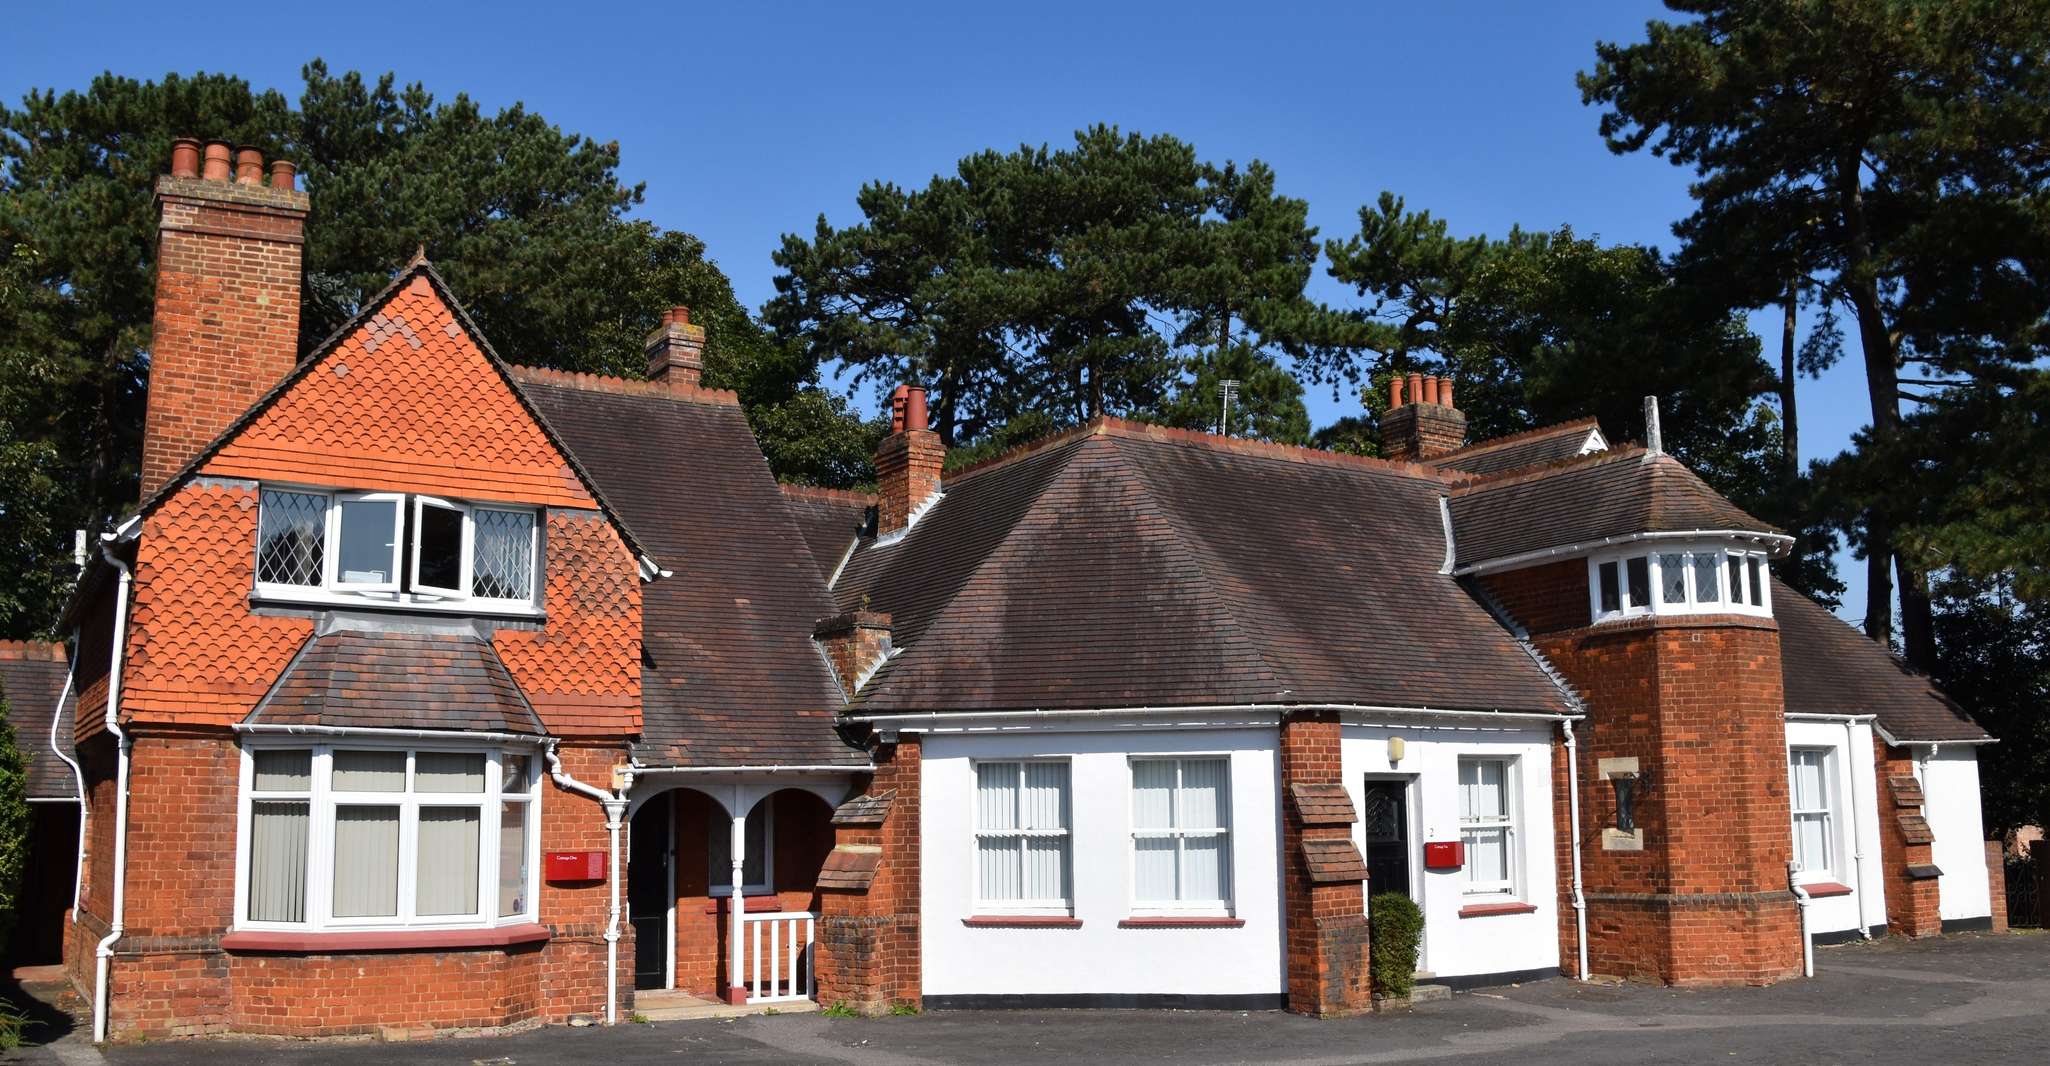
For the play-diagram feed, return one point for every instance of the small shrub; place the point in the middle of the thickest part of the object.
(1397, 929)
(840, 1009)
(902, 1010)
(12, 1022)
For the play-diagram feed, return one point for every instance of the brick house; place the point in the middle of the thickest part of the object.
(426, 690)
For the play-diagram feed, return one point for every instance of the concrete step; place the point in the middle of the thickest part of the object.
(678, 1006)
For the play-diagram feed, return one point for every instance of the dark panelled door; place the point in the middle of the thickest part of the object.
(647, 891)
(1384, 815)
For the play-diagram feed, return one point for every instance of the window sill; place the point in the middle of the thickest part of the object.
(345, 943)
(1021, 921)
(1826, 889)
(1192, 921)
(271, 598)
(1484, 910)
(756, 901)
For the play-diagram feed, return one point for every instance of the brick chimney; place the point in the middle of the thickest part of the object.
(907, 462)
(856, 642)
(227, 298)
(676, 351)
(1425, 426)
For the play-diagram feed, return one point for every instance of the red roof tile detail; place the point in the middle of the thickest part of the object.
(1321, 803)
(406, 403)
(196, 652)
(1333, 860)
(582, 672)
(850, 867)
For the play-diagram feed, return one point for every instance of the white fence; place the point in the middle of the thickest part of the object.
(778, 966)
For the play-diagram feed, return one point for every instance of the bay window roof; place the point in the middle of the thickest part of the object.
(1574, 508)
(408, 677)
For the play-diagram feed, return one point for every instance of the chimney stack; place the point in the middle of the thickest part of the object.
(676, 351)
(227, 297)
(1421, 421)
(908, 462)
(855, 643)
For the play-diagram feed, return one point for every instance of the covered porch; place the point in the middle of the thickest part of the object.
(694, 835)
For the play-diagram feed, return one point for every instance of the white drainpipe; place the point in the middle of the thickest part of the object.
(1851, 755)
(1801, 899)
(105, 952)
(1573, 807)
(615, 812)
(78, 779)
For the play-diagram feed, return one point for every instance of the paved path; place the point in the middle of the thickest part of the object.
(1977, 998)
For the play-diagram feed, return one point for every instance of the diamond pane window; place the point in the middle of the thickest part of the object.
(291, 539)
(503, 564)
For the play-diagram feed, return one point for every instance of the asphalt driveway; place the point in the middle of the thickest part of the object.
(1973, 998)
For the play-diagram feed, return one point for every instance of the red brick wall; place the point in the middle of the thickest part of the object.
(227, 312)
(1328, 950)
(868, 941)
(1911, 903)
(907, 474)
(1698, 702)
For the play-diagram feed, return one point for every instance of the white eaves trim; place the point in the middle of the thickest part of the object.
(462, 735)
(1511, 562)
(1896, 742)
(764, 768)
(1215, 716)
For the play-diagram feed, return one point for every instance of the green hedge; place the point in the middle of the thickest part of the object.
(1397, 926)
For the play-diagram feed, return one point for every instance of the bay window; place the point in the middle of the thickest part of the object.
(396, 548)
(1181, 834)
(1683, 579)
(1487, 824)
(1022, 843)
(356, 835)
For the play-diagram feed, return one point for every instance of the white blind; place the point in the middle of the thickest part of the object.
(1807, 771)
(438, 771)
(1021, 848)
(445, 879)
(366, 861)
(1181, 817)
(370, 771)
(277, 860)
(1486, 826)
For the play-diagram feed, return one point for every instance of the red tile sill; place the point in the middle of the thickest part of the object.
(1192, 922)
(1483, 910)
(343, 943)
(1826, 889)
(1021, 921)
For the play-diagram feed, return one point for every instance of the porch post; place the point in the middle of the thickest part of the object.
(736, 904)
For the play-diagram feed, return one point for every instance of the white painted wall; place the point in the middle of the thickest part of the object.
(1455, 946)
(1950, 787)
(1855, 798)
(1100, 958)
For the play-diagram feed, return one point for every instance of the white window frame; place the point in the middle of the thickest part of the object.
(464, 548)
(1827, 812)
(323, 799)
(1729, 598)
(767, 816)
(1227, 861)
(1509, 821)
(1064, 905)
(333, 591)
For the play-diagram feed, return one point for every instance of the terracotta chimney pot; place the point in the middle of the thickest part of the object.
(248, 166)
(1416, 387)
(1395, 392)
(914, 409)
(283, 174)
(185, 158)
(1445, 393)
(219, 164)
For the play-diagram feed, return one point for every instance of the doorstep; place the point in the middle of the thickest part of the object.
(667, 1005)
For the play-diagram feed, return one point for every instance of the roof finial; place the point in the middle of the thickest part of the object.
(1654, 444)
(419, 257)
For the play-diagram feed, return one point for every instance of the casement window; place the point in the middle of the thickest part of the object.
(390, 547)
(1022, 837)
(1809, 794)
(1678, 580)
(757, 874)
(366, 836)
(1487, 824)
(1181, 834)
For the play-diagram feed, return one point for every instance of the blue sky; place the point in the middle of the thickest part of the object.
(747, 121)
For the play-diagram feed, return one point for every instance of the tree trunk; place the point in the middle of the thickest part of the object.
(1882, 387)
(1918, 624)
(1790, 417)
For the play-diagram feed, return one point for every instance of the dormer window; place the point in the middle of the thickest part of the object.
(1682, 579)
(398, 549)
